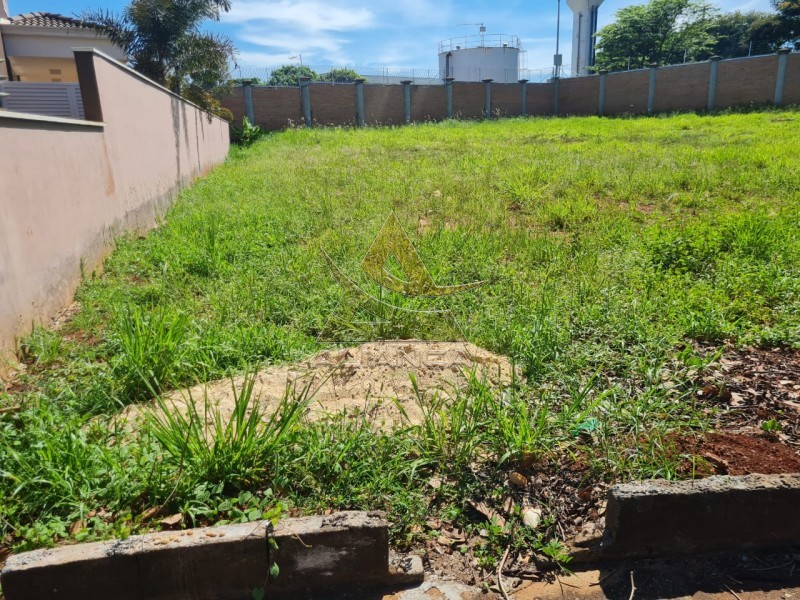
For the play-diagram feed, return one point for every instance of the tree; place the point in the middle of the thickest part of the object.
(735, 35)
(661, 32)
(340, 76)
(251, 80)
(288, 75)
(163, 41)
(782, 28)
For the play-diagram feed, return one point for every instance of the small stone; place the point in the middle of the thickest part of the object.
(517, 479)
(532, 517)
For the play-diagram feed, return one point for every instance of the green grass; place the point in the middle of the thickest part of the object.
(610, 247)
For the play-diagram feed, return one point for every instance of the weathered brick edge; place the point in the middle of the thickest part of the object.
(315, 555)
(717, 514)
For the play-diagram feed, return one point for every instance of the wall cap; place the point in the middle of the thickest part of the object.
(144, 78)
(18, 116)
(784, 51)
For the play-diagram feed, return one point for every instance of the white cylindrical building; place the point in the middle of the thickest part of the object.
(584, 26)
(479, 57)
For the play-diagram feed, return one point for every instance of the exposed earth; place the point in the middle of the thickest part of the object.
(373, 378)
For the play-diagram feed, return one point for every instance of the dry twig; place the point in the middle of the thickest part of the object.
(500, 572)
(735, 595)
(633, 588)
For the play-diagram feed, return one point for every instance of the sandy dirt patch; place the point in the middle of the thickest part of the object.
(363, 379)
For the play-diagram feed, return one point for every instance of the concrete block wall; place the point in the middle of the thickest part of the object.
(278, 107)
(506, 99)
(746, 81)
(682, 88)
(333, 104)
(70, 186)
(541, 99)
(343, 554)
(428, 102)
(739, 82)
(383, 105)
(578, 96)
(468, 100)
(792, 89)
(626, 92)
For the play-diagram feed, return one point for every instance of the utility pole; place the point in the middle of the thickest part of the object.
(557, 61)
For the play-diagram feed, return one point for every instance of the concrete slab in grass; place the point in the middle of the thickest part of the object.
(659, 518)
(315, 556)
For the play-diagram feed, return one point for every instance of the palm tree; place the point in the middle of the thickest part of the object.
(163, 41)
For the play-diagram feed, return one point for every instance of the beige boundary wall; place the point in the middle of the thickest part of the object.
(69, 187)
(738, 82)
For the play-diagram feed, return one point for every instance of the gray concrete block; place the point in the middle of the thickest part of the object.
(316, 556)
(319, 554)
(659, 518)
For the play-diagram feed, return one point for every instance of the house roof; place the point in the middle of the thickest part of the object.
(50, 20)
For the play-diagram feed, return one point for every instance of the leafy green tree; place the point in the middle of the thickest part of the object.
(164, 41)
(661, 31)
(251, 80)
(781, 28)
(340, 76)
(289, 75)
(735, 35)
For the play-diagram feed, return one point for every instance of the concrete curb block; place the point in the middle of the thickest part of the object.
(315, 555)
(661, 518)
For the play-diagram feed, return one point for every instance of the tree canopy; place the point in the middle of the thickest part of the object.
(660, 32)
(164, 41)
(737, 34)
(783, 27)
(290, 74)
(340, 76)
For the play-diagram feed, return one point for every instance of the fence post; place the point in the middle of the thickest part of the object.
(651, 92)
(780, 80)
(523, 90)
(249, 109)
(360, 101)
(448, 88)
(305, 96)
(407, 100)
(601, 93)
(487, 92)
(712, 83)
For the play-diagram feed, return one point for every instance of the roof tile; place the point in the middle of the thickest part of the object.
(52, 20)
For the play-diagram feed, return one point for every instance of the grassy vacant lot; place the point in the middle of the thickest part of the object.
(612, 246)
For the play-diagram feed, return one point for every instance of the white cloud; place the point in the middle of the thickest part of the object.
(304, 15)
(307, 28)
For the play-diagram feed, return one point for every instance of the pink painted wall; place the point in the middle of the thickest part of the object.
(68, 188)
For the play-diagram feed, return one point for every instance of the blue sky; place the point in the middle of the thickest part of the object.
(389, 33)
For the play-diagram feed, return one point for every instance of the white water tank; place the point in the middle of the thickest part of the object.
(479, 57)
(584, 26)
